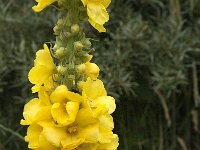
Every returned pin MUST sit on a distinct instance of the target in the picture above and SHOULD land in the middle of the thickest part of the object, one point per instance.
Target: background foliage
(149, 60)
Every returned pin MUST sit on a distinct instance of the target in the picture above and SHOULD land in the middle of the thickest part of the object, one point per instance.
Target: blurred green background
(149, 60)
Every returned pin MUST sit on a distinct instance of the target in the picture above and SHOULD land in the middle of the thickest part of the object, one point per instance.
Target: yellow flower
(42, 4)
(65, 105)
(85, 129)
(96, 99)
(37, 109)
(42, 70)
(63, 125)
(96, 10)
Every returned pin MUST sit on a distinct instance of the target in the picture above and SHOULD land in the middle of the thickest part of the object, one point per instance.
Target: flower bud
(78, 46)
(56, 30)
(87, 43)
(81, 68)
(92, 70)
(61, 69)
(60, 22)
(71, 77)
(67, 34)
(60, 52)
(62, 36)
(75, 29)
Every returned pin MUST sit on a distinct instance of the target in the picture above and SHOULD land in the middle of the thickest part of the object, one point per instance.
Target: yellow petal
(71, 142)
(45, 145)
(106, 121)
(39, 74)
(90, 133)
(84, 2)
(87, 105)
(112, 145)
(33, 134)
(95, 110)
(107, 101)
(25, 122)
(36, 88)
(65, 114)
(87, 146)
(53, 134)
(100, 110)
(31, 109)
(94, 89)
(71, 96)
(80, 85)
(97, 13)
(43, 114)
(86, 102)
(85, 117)
(97, 26)
(91, 70)
(43, 96)
(49, 84)
(105, 135)
(106, 3)
(59, 94)
(43, 58)
(42, 4)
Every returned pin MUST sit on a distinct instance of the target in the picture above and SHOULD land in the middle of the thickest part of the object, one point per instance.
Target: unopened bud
(78, 46)
(75, 29)
(92, 70)
(67, 34)
(60, 52)
(71, 77)
(61, 69)
(81, 68)
(87, 43)
(60, 22)
(56, 30)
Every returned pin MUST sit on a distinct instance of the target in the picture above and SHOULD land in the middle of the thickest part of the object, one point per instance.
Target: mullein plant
(73, 110)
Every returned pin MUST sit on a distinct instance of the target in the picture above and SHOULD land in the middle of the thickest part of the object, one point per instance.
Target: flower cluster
(73, 110)
(61, 119)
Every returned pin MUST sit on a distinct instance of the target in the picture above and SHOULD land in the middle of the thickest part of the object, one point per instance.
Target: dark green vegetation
(149, 60)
